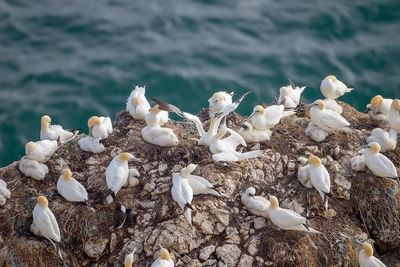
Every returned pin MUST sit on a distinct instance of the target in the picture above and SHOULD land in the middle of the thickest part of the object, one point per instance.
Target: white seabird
(320, 179)
(252, 135)
(44, 220)
(117, 174)
(91, 144)
(289, 96)
(137, 104)
(287, 219)
(128, 261)
(33, 169)
(394, 115)
(366, 258)
(332, 88)
(387, 140)
(326, 119)
(231, 107)
(265, 118)
(224, 149)
(164, 260)
(182, 192)
(53, 132)
(219, 101)
(70, 188)
(378, 111)
(379, 164)
(100, 127)
(256, 205)
(41, 151)
(4, 192)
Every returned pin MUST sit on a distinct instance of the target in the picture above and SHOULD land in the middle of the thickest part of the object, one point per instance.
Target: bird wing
(389, 166)
(288, 218)
(46, 223)
(231, 107)
(234, 139)
(108, 124)
(259, 203)
(168, 107)
(115, 179)
(321, 180)
(377, 262)
(196, 121)
(333, 120)
(187, 192)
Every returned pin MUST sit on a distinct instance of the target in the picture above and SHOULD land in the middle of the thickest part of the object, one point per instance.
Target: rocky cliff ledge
(223, 232)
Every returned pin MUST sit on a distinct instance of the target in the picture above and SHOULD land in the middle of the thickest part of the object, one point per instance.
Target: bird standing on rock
(256, 205)
(379, 164)
(70, 188)
(53, 132)
(182, 192)
(320, 179)
(45, 221)
(137, 104)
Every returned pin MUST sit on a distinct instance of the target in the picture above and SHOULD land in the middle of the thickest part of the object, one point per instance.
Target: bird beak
(309, 105)
(135, 159)
(252, 115)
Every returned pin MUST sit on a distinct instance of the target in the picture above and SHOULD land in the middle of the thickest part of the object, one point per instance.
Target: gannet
(326, 119)
(289, 96)
(378, 111)
(41, 151)
(91, 144)
(45, 221)
(256, 205)
(333, 105)
(164, 260)
(137, 104)
(379, 164)
(117, 174)
(287, 219)
(199, 184)
(70, 188)
(366, 258)
(100, 127)
(320, 179)
(394, 115)
(265, 118)
(315, 133)
(4, 192)
(387, 140)
(231, 107)
(303, 173)
(224, 149)
(332, 88)
(252, 135)
(182, 192)
(52, 132)
(119, 215)
(154, 134)
(33, 169)
(205, 137)
(129, 259)
(218, 101)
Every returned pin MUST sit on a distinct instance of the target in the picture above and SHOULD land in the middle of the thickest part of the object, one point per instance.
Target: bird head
(42, 201)
(314, 161)
(67, 174)
(274, 202)
(165, 254)
(218, 96)
(257, 110)
(284, 91)
(332, 78)
(93, 121)
(30, 147)
(376, 101)
(45, 121)
(136, 101)
(247, 127)
(188, 170)
(128, 260)
(396, 104)
(125, 156)
(319, 103)
(369, 251)
(251, 192)
(374, 147)
(155, 110)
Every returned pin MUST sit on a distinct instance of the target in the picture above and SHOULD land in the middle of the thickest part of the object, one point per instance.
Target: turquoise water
(74, 59)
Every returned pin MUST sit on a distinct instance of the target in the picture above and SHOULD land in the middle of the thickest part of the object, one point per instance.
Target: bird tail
(249, 155)
(305, 228)
(349, 88)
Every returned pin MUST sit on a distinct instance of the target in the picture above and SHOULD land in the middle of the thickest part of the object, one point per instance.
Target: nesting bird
(289, 96)
(287, 219)
(256, 205)
(252, 135)
(53, 132)
(164, 260)
(182, 192)
(33, 169)
(379, 164)
(378, 110)
(44, 220)
(332, 88)
(219, 101)
(394, 115)
(154, 134)
(117, 174)
(41, 151)
(366, 258)
(4, 192)
(387, 140)
(320, 179)
(265, 118)
(137, 104)
(100, 127)
(70, 188)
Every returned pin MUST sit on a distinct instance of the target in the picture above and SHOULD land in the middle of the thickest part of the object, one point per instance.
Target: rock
(162, 168)
(113, 242)
(253, 245)
(259, 223)
(246, 261)
(201, 220)
(194, 263)
(229, 254)
(94, 248)
(206, 252)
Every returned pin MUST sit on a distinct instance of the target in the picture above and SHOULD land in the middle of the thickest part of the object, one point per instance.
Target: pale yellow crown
(30, 147)
(188, 170)
(219, 96)
(369, 251)
(94, 120)
(396, 104)
(376, 101)
(259, 109)
(165, 254)
(44, 121)
(274, 202)
(375, 147)
(128, 260)
(136, 101)
(67, 174)
(315, 161)
(284, 90)
(42, 201)
(125, 156)
(321, 104)
(332, 78)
